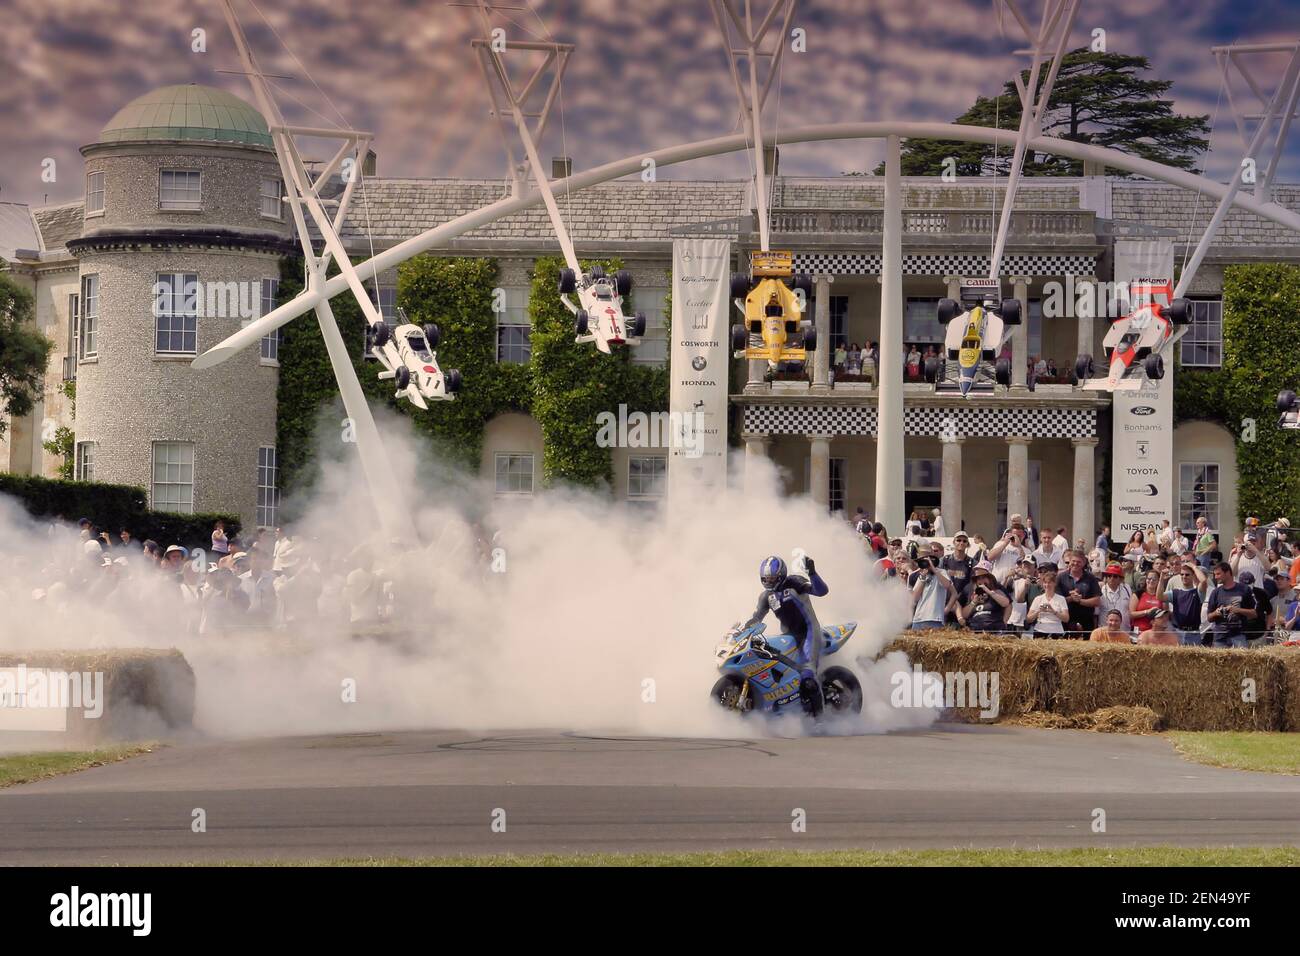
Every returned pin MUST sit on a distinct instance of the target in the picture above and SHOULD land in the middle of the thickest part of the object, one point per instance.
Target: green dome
(188, 114)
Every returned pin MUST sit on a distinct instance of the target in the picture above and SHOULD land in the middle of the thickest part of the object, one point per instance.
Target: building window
(89, 342)
(514, 327)
(921, 320)
(839, 483)
(1035, 487)
(1203, 344)
(268, 493)
(271, 341)
(839, 322)
(922, 474)
(176, 313)
(180, 189)
(653, 349)
(385, 300)
(1198, 494)
(94, 193)
(173, 476)
(514, 474)
(1034, 327)
(647, 476)
(84, 465)
(74, 335)
(272, 192)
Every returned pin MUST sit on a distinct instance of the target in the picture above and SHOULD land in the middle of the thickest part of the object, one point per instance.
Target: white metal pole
(889, 407)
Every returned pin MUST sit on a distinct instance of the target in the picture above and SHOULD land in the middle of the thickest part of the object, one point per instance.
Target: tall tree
(24, 352)
(1098, 98)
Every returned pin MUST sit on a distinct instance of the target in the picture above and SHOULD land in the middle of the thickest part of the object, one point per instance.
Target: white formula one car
(1288, 407)
(407, 355)
(1141, 334)
(973, 340)
(598, 313)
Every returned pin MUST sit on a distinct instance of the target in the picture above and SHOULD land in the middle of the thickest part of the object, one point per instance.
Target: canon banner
(1143, 483)
(697, 459)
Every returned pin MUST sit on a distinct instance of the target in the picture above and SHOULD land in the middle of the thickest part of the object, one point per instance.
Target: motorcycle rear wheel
(841, 691)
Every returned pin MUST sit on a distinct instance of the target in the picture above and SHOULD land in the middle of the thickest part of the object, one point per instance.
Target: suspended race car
(1136, 341)
(772, 299)
(407, 355)
(1288, 407)
(976, 329)
(598, 313)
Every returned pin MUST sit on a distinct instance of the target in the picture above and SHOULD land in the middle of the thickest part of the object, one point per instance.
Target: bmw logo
(699, 362)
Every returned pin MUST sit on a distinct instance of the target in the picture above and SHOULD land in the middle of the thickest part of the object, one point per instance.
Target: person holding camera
(1230, 606)
(1049, 611)
(983, 605)
(1006, 553)
(933, 595)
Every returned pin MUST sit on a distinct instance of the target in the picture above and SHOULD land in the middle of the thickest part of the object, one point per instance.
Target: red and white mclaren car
(1136, 341)
(407, 355)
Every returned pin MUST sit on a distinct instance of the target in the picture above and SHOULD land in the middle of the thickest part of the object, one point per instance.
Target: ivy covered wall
(564, 386)
(1261, 355)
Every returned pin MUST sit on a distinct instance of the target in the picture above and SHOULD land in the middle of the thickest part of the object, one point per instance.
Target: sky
(646, 74)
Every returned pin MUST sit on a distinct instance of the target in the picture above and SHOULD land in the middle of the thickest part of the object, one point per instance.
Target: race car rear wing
(980, 290)
(771, 264)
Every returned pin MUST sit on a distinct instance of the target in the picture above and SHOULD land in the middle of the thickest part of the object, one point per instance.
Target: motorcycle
(761, 673)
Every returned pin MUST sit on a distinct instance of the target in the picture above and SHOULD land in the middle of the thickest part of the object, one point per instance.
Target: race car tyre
(1084, 368)
(932, 369)
(1285, 400)
(1154, 366)
(568, 281)
(1002, 372)
(580, 322)
(810, 338)
(432, 334)
(1180, 312)
(949, 309)
(727, 693)
(379, 334)
(1010, 311)
(841, 691)
(739, 338)
(403, 378)
(804, 282)
(739, 285)
(596, 272)
(622, 282)
(453, 381)
(638, 325)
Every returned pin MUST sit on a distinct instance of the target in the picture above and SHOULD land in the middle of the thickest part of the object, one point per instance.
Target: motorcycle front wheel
(727, 694)
(841, 691)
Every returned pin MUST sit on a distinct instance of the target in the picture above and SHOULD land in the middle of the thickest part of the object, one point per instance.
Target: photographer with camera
(984, 605)
(1006, 553)
(933, 595)
(1230, 606)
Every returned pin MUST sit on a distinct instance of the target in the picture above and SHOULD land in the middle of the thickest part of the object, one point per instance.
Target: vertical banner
(697, 459)
(1143, 483)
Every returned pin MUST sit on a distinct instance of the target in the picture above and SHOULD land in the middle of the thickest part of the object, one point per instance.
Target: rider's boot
(810, 693)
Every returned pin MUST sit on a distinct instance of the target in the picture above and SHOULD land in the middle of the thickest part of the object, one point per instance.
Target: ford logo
(1143, 410)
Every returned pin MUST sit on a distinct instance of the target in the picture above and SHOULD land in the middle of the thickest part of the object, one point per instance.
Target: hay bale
(146, 693)
(1108, 720)
(1185, 688)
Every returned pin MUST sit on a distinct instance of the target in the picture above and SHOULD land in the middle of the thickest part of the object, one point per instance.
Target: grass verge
(25, 768)
(1240, 750)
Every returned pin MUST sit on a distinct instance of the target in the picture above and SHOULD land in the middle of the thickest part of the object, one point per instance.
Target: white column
(950, 487)
(889, 409)
(819, 468)
(954, 287)
(1018, 475)
(756, 451)
(1086, 316)
(1020, 336)
(1085, 489)
(822, 357)
(757, 369)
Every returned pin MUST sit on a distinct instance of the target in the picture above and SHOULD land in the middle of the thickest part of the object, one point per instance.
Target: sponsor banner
(1143, 481)
(698, 366)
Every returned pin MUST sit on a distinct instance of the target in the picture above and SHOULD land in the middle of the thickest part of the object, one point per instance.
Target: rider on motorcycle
(788, 597)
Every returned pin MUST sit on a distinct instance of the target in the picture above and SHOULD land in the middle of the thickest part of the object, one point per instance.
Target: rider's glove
(808, 565)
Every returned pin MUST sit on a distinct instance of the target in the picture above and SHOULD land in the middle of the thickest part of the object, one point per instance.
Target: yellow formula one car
(772, 300)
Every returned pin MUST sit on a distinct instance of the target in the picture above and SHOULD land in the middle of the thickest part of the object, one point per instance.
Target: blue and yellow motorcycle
(762, 673)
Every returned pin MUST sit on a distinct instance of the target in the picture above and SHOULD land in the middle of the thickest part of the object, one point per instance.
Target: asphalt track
(434, 793)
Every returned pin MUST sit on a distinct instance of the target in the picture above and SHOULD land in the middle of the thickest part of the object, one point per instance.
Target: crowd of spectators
(1163, 586)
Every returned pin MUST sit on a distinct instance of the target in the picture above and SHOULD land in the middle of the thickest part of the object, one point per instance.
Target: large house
(182, 186)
